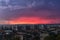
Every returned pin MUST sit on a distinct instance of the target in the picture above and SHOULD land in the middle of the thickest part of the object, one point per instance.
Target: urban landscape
(29, 19)
(30, 32)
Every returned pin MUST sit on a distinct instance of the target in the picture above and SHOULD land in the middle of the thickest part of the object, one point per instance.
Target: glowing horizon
(31, 20)
(29, 11)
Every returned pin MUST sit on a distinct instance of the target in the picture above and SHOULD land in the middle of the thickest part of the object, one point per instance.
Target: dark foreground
(30, 32)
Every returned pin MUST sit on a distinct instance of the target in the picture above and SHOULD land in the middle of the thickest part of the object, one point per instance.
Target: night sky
(29, 11)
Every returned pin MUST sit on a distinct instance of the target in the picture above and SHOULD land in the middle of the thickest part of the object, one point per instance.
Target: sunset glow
(31, 20)
(29, 11)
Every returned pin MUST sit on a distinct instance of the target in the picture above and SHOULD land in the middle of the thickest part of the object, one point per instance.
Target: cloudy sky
(29, 11)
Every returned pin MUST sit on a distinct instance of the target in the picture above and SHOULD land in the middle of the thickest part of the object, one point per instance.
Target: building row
(30, 31)
(30, 26)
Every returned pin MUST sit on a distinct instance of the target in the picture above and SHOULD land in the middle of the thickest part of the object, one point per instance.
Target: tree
(16, 38)
(50, 38)
(58, 37)
(36, 38)
(47, 38)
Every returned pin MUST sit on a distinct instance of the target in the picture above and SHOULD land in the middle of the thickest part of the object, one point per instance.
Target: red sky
(30, 12)
(32, 20)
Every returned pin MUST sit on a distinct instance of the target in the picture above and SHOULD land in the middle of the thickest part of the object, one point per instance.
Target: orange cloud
(31, 20)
